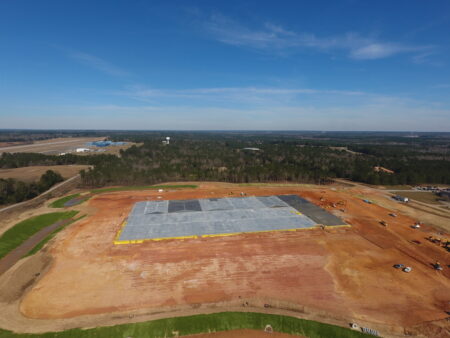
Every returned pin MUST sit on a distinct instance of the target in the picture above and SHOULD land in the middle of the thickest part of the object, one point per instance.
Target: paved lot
(317, 214)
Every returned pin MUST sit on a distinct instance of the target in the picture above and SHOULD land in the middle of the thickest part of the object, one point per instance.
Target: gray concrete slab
(184, 206)
(156, 207)
(214, 216)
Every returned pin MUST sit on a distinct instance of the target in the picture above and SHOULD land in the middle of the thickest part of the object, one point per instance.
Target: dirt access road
(18, 206)
(15, 255)
(342, 274)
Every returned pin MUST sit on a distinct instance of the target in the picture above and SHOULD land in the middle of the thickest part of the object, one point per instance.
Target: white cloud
(379, 50)
(97, 63)
(275, 38)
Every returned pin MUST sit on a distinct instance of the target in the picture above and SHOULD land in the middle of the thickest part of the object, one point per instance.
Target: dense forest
(310, 157)
(13, 191)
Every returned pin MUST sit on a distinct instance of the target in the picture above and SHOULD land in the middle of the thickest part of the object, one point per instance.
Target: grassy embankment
(224, 321)
(20, 232)
(41, 244)
(62, 201)
(149, 187)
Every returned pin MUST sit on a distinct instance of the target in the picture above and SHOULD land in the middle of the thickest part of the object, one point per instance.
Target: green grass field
(20, 232)
(41, 244)
(60, 202)
(223, 321)
(149, 187)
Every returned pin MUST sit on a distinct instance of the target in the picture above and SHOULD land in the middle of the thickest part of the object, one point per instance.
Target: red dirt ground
(346, 272)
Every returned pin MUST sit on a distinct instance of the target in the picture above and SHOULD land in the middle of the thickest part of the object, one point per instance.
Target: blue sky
(280, 65)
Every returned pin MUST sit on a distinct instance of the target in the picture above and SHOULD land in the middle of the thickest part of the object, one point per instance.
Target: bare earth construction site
(142, 255)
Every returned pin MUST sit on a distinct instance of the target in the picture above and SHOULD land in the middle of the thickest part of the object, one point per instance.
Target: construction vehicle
(437, 266)
(438, 241)
(342, 203)
(432, 239)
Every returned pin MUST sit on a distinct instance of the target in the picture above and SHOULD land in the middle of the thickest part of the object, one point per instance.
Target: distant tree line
(225, 160)
(19, 160)
(14, 191)
(207, 156)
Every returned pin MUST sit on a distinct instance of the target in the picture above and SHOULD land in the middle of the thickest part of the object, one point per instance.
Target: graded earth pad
(336, 272)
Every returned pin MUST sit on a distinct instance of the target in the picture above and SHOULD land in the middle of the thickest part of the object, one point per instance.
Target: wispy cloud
(385, 115)
(97, 63)
(441, 85)
(380, 50)
(277, 99)
(255, 96)
(425, 57)
(275, 38)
